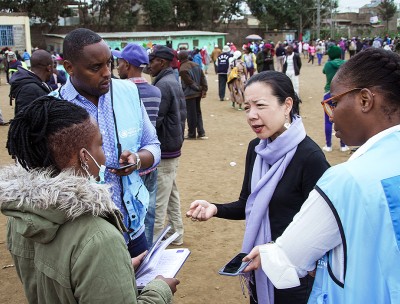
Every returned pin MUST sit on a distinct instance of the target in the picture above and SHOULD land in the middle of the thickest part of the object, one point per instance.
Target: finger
(124, 156)
(203, 216)
(194, 204)
(196, 212)
(250, 267)
(141, 256)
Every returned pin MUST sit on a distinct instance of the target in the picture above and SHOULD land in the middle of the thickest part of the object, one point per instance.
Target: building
(15, 32)
(188, 39)
(367, 22)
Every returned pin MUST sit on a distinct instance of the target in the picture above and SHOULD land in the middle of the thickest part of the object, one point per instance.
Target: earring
(287, 124)
(85, 167)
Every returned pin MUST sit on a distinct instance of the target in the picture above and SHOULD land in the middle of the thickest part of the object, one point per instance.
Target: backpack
(234, 74)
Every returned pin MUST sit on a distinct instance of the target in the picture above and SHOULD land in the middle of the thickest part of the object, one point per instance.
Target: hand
(203, 94)
(201, 210)
(254, 255)
(126, 157)
(136, 261)
(172, 282)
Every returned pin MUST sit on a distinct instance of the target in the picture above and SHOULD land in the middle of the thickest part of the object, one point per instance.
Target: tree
(159, 13)
(45, 10)
(387, 9)
(288, 14)
(190, 14)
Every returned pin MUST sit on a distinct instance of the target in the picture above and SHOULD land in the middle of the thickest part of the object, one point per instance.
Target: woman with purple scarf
(282, 166)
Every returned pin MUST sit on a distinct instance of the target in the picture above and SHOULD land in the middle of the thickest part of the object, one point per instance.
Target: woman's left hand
(254, 256)
(136, 261)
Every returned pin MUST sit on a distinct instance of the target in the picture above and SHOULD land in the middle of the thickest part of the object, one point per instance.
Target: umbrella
(253, 37)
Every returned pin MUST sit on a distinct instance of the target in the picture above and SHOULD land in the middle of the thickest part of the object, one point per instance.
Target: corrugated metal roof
(149, 34)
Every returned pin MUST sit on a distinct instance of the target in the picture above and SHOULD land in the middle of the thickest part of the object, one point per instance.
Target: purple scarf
(272, 159)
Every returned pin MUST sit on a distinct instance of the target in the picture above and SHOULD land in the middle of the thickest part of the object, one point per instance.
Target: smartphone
(235, 266)
(124, 166)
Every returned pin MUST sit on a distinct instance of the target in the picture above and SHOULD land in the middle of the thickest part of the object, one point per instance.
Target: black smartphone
(123, 167)
(235, 266)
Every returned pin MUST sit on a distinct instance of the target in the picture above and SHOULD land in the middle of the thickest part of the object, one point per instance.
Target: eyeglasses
(329, 104)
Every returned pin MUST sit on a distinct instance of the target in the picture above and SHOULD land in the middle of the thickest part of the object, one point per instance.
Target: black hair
(76, 40)
(374, 68)
(36, 137)
(281, 86)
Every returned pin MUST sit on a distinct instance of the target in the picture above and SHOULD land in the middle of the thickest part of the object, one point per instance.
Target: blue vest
(129, 124)
(364, 195)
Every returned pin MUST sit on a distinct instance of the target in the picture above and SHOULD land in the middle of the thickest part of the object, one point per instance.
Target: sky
(354, 5)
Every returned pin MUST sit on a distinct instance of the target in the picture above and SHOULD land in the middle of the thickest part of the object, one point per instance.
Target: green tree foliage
(190, 14)
(116, 14)
(45, 10)
(387, 9)
(289, 14)
(159, 13)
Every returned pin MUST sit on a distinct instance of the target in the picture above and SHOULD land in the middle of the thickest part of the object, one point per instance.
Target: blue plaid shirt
(103, 114)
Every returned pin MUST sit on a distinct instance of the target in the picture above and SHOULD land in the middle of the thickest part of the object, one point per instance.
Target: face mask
(102, 170)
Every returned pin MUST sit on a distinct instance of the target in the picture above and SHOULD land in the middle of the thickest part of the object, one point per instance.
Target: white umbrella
(253, 37)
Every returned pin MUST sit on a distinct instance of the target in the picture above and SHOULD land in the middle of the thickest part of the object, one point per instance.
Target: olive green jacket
(64, 234)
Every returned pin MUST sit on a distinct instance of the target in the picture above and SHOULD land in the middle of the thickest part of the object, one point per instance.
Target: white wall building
(15, 32)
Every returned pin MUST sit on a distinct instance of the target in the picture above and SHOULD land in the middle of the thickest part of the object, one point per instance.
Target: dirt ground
(205, 173)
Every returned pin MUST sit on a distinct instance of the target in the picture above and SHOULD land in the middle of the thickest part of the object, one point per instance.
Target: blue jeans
(319, 58)
(150, 181)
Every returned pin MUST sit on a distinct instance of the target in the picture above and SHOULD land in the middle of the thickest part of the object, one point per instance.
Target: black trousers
(295, 295)
(222, 79)
(194, 117)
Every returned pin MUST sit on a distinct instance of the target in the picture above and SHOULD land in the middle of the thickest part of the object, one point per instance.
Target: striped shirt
(150, 96)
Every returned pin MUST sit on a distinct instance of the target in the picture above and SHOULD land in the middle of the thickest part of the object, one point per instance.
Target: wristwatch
(138, 162)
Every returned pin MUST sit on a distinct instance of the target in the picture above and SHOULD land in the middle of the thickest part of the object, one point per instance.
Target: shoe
(190, 137)
(177, 243)
(344, 148)
(327, 149)
(221, 99)
(4, 123)
(202, 137)
(240, 109)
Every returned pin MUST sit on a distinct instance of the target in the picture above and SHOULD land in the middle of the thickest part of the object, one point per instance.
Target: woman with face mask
(282, 166)
(64, 232)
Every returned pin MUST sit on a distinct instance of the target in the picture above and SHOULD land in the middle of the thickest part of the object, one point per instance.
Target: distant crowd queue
(97, 158)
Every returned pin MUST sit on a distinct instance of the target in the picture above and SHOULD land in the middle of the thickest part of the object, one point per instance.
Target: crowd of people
(79, 224)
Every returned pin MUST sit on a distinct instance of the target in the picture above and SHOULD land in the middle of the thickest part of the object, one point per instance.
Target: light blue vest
(129, 124)
(365, 196)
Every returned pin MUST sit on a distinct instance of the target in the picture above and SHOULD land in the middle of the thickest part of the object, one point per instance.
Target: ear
(82, 155)
(289, 105)
(366, 100)
(68, 66)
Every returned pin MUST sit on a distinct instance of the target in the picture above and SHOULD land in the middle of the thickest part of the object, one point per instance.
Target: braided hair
(76, 40)
(281, 86)
(374, 68)
(46, 133)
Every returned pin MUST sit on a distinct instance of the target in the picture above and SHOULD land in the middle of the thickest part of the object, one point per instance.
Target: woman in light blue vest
(350, 223)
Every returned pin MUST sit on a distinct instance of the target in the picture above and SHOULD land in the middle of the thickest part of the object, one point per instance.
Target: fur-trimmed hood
(42, 203)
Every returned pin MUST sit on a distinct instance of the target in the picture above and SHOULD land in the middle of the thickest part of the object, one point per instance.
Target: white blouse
(312, 233)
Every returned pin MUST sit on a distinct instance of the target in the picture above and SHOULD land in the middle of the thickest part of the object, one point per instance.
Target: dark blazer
(296, 64)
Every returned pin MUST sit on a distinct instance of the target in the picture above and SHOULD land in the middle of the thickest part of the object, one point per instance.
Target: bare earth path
(205, 173)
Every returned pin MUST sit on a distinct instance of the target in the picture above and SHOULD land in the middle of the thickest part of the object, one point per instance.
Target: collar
(373, 140)
(138, 80)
